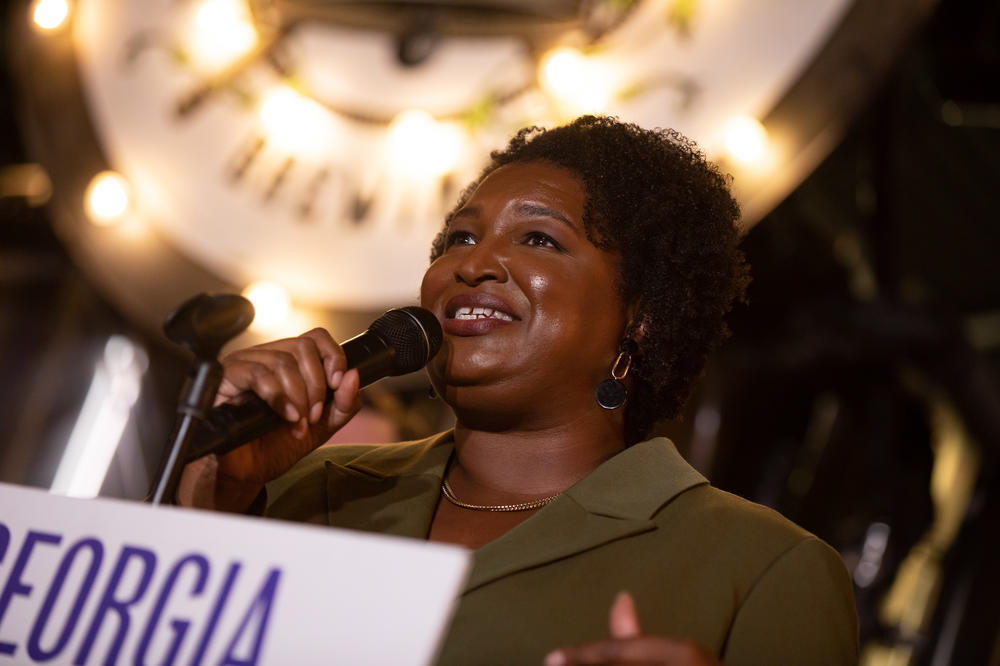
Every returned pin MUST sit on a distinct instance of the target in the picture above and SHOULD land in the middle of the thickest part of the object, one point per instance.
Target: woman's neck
(496, 466)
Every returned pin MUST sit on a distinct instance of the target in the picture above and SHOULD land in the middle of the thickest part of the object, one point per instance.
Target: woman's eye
(459, 238)
(539, 239)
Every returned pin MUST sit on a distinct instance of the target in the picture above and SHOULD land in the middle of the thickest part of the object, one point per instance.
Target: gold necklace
(523, 506)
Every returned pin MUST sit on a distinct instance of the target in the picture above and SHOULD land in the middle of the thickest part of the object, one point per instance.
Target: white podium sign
(110, 582)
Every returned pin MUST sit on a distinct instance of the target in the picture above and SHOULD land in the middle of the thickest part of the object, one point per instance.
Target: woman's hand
(627, 645)
(292, 375)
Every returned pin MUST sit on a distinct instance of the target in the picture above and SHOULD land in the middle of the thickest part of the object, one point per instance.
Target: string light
(107, 198)
(580, 84)
(295, 123)
(420, 145)
(50, 14)
(746, 140)
(271, 304)
(223, 31)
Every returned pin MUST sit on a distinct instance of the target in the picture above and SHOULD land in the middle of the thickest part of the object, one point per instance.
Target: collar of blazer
(394, 489)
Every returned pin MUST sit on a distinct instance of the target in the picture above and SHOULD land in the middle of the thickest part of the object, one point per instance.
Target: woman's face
(530, 307)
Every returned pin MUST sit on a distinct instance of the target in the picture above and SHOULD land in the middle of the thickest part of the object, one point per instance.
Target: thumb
(623, 620)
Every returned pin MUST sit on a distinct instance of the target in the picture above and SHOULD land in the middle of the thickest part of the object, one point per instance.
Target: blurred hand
(627, 645)
(292, 375)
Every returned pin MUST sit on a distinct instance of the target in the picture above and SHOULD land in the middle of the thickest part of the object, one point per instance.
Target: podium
(96, 581)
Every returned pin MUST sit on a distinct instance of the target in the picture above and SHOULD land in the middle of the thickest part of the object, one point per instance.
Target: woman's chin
(461, 368)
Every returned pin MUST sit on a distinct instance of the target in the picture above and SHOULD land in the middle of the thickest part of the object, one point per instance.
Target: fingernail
(556, 658)
(301, 429)
(316, 412)
(335, 378)
(291, 413)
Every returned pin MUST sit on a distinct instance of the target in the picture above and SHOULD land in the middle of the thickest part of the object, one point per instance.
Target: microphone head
(413, 332)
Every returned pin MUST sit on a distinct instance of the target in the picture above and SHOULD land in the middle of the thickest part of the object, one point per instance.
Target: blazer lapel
(615, 501)
(394, 489)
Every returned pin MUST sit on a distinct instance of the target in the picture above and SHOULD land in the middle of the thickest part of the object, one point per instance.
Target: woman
(580, 281)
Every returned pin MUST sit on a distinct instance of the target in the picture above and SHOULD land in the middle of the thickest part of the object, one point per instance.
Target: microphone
(401, 341)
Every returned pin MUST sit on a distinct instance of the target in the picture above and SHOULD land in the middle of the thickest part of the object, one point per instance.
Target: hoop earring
(611, 393)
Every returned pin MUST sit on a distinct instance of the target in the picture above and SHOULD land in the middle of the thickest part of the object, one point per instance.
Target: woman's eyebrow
(525, 208)
(534, 209)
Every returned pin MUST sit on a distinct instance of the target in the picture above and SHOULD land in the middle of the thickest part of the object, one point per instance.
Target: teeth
(481, 313)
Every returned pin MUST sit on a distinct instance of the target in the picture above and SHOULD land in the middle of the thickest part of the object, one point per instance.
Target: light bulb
(420, 145)
(50, 14)
(746, 140)
(108, 198)
(296, 124)
(579, 83)
(271, 304)
(222, 32)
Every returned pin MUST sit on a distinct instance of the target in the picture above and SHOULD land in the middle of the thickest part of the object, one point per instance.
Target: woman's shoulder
(795, 593)
(736, 517)
(778, 574)
(751, 540)
(682, 500)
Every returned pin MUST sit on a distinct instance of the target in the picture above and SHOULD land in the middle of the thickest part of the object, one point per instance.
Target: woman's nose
(481, 263)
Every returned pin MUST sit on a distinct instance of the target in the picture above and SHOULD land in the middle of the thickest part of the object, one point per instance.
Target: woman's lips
(465, 327)
(476, 315)
(470, 313)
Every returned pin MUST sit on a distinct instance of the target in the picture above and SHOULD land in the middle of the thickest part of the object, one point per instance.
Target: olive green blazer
(702, 564)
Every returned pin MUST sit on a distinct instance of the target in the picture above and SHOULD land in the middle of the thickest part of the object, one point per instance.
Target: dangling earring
(611, 393)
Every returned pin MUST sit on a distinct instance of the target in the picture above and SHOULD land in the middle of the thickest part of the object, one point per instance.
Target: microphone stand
(202, 325)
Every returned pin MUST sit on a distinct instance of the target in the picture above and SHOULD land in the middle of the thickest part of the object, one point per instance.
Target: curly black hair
(653, 198)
